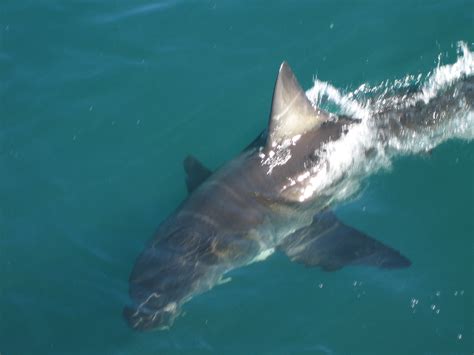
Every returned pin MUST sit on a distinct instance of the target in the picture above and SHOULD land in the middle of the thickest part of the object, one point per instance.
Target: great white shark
(258, 203)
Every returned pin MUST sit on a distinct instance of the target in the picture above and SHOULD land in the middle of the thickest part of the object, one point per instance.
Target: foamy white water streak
(363, 150)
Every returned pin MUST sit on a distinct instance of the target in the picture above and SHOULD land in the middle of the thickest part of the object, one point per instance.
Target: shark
(259, 203)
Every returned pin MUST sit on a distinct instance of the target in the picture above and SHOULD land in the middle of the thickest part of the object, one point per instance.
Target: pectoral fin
(196, 173)
(331, 244)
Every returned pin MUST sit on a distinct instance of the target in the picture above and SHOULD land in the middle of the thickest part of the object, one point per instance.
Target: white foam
(447, 74)
(344, 162)
(263, 255)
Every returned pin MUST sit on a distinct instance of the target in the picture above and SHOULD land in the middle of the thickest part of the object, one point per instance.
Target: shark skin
(248, 209)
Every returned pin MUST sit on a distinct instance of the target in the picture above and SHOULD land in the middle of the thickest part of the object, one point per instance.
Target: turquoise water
(101, 101)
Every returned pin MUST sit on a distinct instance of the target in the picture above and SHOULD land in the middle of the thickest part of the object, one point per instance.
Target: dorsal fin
(196, 173)
(292, 113)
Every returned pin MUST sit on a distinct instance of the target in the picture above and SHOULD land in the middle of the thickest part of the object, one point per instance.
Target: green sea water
(100, 101)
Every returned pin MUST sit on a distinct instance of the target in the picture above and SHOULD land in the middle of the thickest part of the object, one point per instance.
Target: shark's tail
(413, 122)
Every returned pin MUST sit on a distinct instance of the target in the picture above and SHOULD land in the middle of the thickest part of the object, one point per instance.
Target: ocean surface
(100, 101)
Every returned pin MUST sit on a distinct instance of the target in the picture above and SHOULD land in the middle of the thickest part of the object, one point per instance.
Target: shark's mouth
(146, 317)
(397, 117)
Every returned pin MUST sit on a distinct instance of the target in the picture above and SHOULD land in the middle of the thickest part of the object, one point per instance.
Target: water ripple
(135, 11)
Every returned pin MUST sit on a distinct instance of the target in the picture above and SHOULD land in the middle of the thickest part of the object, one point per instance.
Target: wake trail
(404, 116)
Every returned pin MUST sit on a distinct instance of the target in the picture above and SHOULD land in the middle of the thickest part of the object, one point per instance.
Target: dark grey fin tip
(284, 66)
(196, 172)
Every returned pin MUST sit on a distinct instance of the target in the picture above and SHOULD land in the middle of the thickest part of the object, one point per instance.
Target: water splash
(446, 75)
(398, 117)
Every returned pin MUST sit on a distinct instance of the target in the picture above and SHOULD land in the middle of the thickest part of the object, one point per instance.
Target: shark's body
(249, 208)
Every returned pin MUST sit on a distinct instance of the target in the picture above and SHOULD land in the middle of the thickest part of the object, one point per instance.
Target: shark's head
(167, 273)
(152, 306)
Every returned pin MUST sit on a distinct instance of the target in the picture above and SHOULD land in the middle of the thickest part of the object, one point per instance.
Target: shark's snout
(144, 318)
(160, 280)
